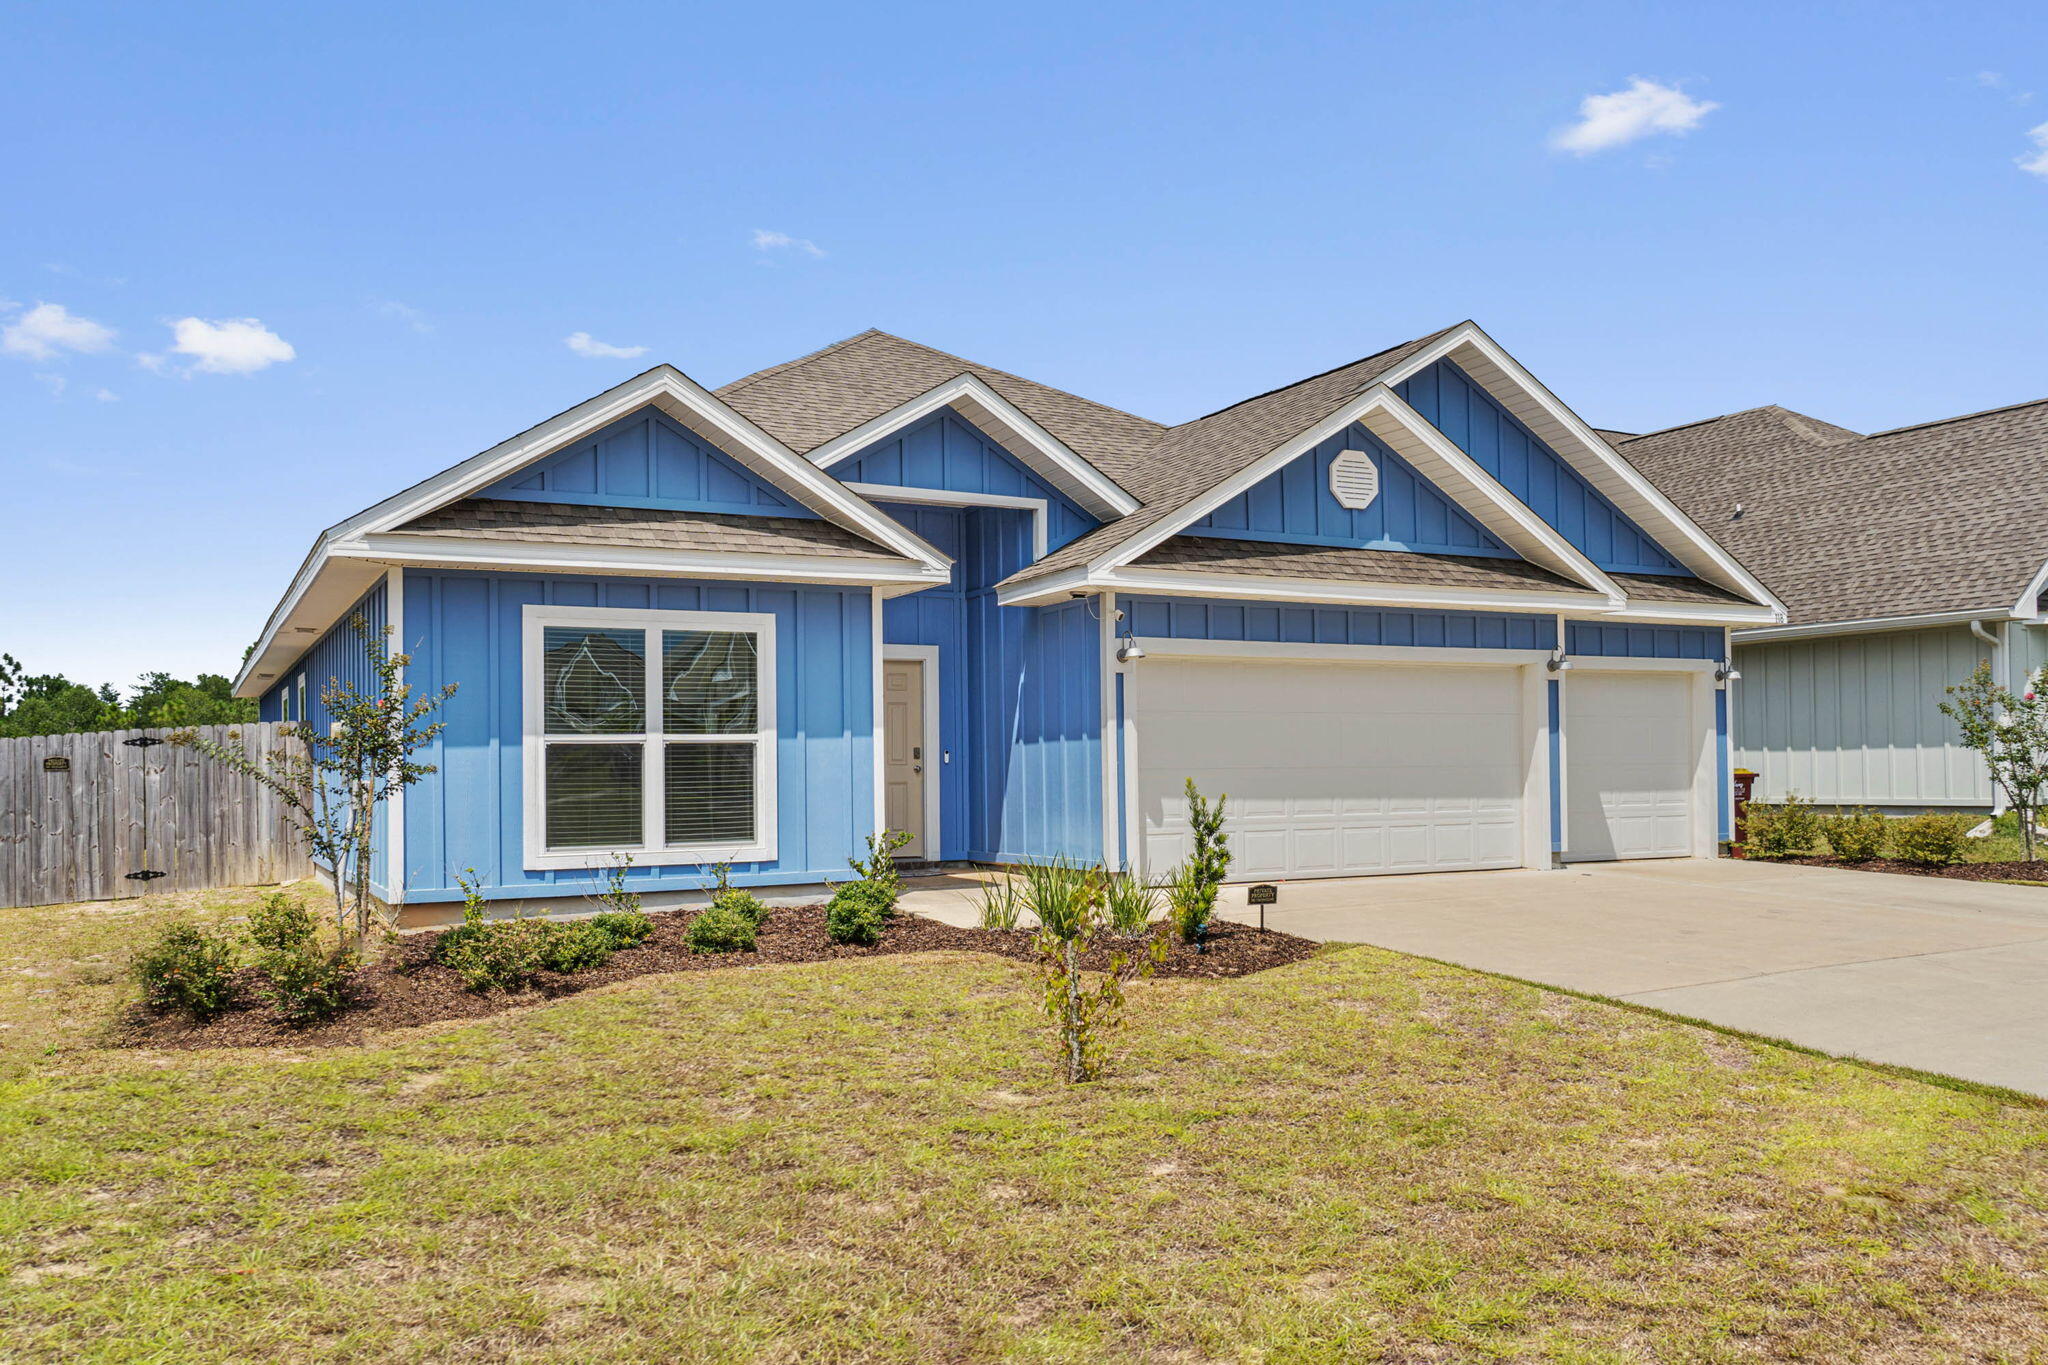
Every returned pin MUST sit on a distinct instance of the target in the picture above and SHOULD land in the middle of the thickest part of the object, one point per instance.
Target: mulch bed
(407, 987)
(2036, 871)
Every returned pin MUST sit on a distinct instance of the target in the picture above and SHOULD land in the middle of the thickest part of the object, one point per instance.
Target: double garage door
(1342, 769)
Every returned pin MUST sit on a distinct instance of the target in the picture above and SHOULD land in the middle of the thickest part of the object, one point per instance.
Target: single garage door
(1630, 751)
(1332, 769)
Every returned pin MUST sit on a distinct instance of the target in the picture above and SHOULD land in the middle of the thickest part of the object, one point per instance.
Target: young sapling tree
(2010, 732)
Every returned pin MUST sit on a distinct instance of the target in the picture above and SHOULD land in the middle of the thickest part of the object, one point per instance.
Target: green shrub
(1931, 840)
(857, 913)
(743, 903)
(1789, 829)
(502, 954)
(1130, 902)
(878, 869)
(1855, 836)
(281, 924)
(720, 929)
(305, 985)
(188, 968)
(1190, 902)
(625, 928)
(577, 946)
(1002, 903)
(1062, 895)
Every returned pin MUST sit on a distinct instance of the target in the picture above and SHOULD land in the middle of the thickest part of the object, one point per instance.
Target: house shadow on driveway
(1943, 976)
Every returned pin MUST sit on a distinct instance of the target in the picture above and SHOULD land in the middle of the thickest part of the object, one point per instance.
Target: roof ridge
(744, 380)
(978, 369)
(1323, 374)
(1966, 417)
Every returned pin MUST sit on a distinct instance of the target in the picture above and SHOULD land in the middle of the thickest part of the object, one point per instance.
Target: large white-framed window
(648, 733)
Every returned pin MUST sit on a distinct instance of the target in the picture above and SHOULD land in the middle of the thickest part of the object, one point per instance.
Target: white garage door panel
(1630, 750)
(1333, 769)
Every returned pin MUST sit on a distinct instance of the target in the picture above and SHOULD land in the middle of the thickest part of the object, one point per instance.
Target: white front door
(1631, 757)
(903, 751)
(1333, 769)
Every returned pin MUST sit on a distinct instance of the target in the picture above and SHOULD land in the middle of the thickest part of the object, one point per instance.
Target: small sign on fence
(56, 763)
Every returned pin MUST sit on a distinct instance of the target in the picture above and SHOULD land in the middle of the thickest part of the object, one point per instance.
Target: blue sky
(299, 257)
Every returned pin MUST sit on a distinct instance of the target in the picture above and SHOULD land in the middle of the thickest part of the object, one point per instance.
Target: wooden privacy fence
(80, 813)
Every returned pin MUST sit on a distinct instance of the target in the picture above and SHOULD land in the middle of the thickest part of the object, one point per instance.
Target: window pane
(710, 793)
(708, 682)
(593, 795)
(593, 680)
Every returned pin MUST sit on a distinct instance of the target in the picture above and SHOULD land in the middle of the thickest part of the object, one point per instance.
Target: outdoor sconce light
(1557, 663)
(1727, 672)
(1128, 651)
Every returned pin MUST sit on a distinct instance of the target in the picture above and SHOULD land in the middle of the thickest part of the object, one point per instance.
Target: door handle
(917, 767)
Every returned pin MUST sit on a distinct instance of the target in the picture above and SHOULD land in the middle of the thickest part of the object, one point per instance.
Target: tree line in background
(52, 704)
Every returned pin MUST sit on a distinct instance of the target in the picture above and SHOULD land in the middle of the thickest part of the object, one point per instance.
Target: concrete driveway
(1941, 975)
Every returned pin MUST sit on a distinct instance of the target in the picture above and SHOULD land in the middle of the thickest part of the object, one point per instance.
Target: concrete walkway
(1941, 975)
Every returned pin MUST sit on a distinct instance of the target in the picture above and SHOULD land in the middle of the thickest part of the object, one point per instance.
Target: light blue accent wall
(938, 617)
(947, 451)
(341, 655)
(648, 460)
(1196, 618)
(466, 629)
(1294, 504)
(1532, 471)
(1614, 641)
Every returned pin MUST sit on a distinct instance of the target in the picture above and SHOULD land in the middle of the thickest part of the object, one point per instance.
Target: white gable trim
(2024, 607)
(567, 557)
(1308, 591)
(1014, 429)
(1454, 473)
(1501, 375)
(1039, 509)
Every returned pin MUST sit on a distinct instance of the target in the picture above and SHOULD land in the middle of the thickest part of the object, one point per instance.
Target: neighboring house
(1905, 559)
(882, 585)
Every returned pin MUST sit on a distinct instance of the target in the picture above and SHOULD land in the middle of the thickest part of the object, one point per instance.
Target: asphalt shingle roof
(644, 527)
(1944, 516)
(1271, 559)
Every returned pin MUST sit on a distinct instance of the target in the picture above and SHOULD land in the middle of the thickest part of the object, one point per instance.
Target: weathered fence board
(73, 831)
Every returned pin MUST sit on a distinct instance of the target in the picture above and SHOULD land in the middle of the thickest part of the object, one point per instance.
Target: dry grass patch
(1359, 1157)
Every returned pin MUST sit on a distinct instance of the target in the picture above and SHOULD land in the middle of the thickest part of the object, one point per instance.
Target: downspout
(1997, 643)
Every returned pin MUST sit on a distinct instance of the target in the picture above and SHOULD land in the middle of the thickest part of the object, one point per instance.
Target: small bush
(1855, 836)
(857, 913)
(1062, 895)
(1931, 840)
(1002, 904)
(743, 903)
(578, 946)
(720, 929)
(306, 985)
(1130, 902)
(625, 928)
(281, 924)
(878, 869)
(188, 968)
(1789, 829)
(1190, 902)
(502, 955)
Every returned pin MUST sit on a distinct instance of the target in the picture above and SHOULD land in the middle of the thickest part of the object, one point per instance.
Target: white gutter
(1864, 625)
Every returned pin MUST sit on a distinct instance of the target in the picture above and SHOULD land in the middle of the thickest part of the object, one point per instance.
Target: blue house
(1412, 614)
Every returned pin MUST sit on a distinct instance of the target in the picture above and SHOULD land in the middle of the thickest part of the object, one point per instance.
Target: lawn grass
(1363, 1156)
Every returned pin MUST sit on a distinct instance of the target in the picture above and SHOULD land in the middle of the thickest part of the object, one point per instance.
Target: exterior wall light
(1727, 672)
(1557, 663)
(1128, 651)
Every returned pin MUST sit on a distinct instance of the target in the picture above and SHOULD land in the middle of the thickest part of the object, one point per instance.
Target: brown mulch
(407, 987)
(2036, 871)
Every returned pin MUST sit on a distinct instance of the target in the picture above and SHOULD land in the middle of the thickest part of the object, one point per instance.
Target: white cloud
(768, 240)
(107, 396)
(407, 314)
(227, 346)
(2036, 161)
(1992, 79)
(54, 382)
(1643, 110)
(48, 328)
(583, 343)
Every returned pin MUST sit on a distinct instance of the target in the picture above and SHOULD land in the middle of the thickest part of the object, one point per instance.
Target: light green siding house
(1905, 558)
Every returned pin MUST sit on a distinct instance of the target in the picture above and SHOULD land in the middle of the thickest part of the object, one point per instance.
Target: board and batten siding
(1856, 719)
(465, 628)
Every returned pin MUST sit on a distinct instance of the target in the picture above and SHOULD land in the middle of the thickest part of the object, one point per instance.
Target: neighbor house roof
(1943, 517)
(649, 527)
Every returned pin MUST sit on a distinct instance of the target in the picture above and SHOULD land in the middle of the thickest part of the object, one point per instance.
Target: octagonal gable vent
(1354, 479)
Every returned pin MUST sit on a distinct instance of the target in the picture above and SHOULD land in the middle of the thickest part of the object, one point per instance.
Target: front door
(903, 749)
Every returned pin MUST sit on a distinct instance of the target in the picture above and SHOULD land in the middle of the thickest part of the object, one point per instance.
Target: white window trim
(651, 850)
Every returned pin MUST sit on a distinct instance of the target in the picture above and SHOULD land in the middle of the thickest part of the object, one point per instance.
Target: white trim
(1536, 763)
(1039, 508)
(877, 761)
(1166, 647)
(1410, 436)
(1105, 684)
(1705, 776)
(1601, 663)
(1689, 613)
(529, 556)
(1866, 625)
(1473, 351)
(1175, 582)
(394, 806)
(1059, 463)
(927, 656)
(652, 849)
(2036, 585)
(1134, 845)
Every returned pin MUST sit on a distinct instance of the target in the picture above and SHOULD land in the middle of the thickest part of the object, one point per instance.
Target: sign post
(1262, 895)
